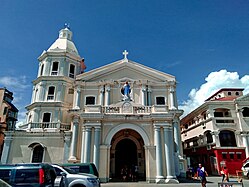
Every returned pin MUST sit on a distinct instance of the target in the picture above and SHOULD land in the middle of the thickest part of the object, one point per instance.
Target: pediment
(125, 70)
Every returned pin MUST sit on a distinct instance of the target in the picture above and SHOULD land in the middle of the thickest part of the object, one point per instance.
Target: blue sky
(204, 44)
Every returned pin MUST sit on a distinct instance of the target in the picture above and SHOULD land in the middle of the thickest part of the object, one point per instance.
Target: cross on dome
(67, 26)
(125, 53)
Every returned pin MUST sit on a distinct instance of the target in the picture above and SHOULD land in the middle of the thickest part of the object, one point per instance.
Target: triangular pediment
(125, 70)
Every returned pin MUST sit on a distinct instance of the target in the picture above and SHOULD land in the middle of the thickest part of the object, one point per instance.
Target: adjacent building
(122, 114)
(217, 132)
(8, 114)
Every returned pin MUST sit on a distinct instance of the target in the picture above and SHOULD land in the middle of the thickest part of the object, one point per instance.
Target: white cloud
(14, 83)
(214, 82)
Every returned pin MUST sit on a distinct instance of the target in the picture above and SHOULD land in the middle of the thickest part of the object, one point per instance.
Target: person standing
(226, 174)
(202, 174)
(222, 174)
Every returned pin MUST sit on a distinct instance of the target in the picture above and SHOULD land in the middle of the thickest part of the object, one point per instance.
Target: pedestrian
(226, 174)
(202, 174)
(222, 174)
(124, 173)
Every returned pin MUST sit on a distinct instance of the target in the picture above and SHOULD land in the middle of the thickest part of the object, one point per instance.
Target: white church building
(79, 116)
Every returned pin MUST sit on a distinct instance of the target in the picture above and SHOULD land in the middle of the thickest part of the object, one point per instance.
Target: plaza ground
(212, 182)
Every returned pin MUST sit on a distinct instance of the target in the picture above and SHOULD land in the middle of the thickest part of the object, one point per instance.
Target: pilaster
(6, 148)
(74, 142)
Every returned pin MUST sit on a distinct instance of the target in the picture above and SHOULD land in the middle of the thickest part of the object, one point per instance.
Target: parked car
(69, 178)
(4, 184)
(28, 174)
(245, 168)
(83, 168)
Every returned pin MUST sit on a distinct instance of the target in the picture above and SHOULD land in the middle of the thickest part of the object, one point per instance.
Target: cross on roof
(125, 53)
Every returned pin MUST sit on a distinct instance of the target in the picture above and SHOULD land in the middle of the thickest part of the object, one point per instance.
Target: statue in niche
(126, 90)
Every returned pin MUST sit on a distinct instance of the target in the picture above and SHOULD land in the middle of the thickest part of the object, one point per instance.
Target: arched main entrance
(127, 152)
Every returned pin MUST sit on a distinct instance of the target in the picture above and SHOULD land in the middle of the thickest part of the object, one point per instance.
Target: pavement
(212, 182)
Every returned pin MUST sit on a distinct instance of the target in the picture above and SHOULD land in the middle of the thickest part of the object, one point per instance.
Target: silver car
(68, 178)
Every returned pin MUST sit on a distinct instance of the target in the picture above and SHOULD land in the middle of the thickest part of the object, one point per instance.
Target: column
(107, 95)
(214, 135)
(67, 139)
(33, 98)
(104, 172)
(58, 94)
(179, 153)
(101, 96)
(169, 155)
(150, 162)
(172, 99)
(47, 67)
(159, 164)
(143, 95)
(6, 148)
(82, 145)
(42, 91)
(87, 147)
(149, 96)
(77, 99)
(74, 142)
(177, 137)
(245, 143)
(96, 146)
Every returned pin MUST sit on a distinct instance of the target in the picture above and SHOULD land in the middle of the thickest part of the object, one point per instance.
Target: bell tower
(53, 89)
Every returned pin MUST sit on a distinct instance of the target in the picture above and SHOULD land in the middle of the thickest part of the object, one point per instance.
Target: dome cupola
(64, 42)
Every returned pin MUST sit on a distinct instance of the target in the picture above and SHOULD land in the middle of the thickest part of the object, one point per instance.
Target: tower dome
(64, 42)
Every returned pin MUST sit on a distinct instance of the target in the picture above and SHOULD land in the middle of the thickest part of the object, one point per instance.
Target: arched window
(42, 67)
(72, 71)
(209, 137)
(46, 117)
(245, 112)
(55, 68)
(37, 154)
(227, 139)
(51, 90)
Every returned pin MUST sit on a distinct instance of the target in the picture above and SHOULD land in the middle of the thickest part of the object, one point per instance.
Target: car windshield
(69, 170)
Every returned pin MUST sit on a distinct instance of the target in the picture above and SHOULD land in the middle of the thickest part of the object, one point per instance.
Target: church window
(245, 112)
(36, 95)
(90, 100)
(237, 93)
(37, 154)
(55, 68)
(46, 117)
(51, 90)
(160, 100)
(42, 67)
(72, 71)
(229, 93)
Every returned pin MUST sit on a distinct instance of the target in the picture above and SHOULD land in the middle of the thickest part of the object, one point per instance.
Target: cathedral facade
(122, 114)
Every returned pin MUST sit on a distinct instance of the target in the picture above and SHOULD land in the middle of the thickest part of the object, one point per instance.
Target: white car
(245, 169)
(68, 178)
